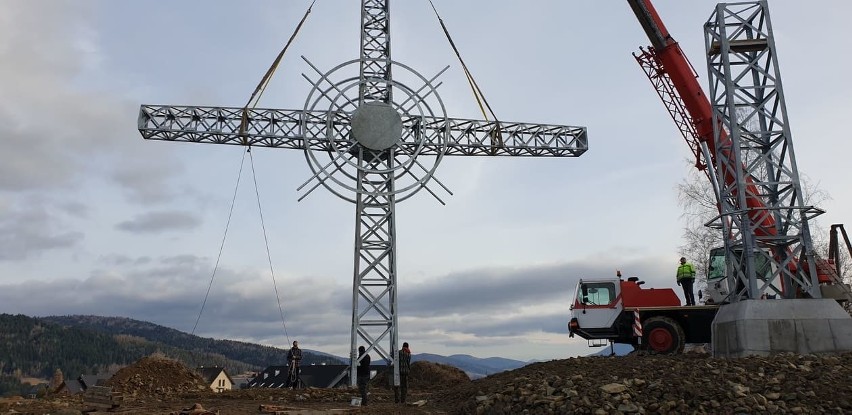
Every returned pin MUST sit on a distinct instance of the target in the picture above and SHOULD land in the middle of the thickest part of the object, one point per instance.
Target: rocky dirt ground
(690, 383)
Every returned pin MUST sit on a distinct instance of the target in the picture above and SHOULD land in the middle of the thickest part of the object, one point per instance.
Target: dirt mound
(426, 376)
(685, 384)
(157, 376)
(691, 383)
(431, 376)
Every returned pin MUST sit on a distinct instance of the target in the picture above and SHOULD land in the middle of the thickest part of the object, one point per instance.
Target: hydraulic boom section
(665, 59)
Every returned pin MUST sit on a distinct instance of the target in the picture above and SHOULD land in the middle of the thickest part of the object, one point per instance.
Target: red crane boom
(676, 81)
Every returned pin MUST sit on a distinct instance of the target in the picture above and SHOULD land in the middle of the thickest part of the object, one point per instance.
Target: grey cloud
(52, 130)
(170, 291)
(183, 260)
(145, 179)
(486, 305)
(27, 230)
(243, 305)
(55, 133)
(74, 208)
(153, 222)
(115, 259)
(487, 289)
(18, 243)
(45, 163)
(499, 290)
(121, 260)
(487, 325)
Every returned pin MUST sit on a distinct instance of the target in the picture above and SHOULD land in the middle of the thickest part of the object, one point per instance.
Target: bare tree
(695, 196)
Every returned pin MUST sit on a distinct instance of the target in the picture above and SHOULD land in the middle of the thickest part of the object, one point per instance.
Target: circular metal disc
(376, 125)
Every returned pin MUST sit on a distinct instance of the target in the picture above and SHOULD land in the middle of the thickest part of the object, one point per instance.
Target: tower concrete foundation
(765, 327)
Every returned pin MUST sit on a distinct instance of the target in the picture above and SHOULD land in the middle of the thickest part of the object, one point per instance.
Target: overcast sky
(96, 220)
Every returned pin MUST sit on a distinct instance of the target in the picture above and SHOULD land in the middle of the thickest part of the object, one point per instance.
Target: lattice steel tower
(383, 139)
(764, 218)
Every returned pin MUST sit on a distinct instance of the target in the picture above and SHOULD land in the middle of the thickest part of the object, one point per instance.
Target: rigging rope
(266, 240)
(252, 101)
(496, 135)
(222, 245)
(261, 87)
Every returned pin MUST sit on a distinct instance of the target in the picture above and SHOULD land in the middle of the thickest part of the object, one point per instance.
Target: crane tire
(663, 335)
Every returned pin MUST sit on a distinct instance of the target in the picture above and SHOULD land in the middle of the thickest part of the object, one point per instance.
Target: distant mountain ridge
(85, 344)
(262, 356)
(475, 367)
(620, 349)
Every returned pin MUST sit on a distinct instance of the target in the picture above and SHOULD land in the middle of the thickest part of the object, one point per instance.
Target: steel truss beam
(748, 104)
(299, 129)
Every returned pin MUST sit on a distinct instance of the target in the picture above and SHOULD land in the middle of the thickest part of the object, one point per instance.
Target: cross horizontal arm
(221, 125)
(320, 129)
(478, 138)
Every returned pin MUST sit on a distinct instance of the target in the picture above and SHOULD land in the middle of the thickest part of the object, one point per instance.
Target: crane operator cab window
(717, 269)
(597, 293)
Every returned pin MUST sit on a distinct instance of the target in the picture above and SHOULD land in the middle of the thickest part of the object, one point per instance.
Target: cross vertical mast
(374, 300)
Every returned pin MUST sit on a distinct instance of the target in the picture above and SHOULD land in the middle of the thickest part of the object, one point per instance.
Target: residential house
(69, 387)
(217, 378)
(241, 381)
(79, 385)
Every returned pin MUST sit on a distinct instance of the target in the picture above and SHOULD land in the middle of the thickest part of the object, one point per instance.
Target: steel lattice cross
(383, 139)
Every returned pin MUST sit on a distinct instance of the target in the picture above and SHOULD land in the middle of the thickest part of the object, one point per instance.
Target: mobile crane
(622, 311)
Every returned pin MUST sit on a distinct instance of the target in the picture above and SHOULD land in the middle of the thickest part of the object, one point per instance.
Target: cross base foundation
(765, 327)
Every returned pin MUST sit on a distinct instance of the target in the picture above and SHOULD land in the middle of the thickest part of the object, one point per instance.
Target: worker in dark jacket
(685, 278)
(404, 359)
(294, 359)
(363, 373)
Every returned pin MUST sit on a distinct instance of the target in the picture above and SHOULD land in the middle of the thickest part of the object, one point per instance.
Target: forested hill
(253, 354)
(76, 345)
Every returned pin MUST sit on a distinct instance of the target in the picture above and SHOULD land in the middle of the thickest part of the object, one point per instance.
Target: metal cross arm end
(478, 138)
(221, 125)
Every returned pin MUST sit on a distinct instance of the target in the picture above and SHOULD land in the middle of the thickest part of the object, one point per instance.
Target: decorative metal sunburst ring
(396, 142)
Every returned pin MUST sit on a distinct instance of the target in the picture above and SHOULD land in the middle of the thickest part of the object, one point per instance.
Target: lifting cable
(222, 245)
(265, 240)
(252, 102)
(264, 82)
(496, 135)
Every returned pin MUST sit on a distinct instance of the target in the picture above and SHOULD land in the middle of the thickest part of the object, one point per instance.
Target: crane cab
(719, 289)
(596, 306)
(603, 309)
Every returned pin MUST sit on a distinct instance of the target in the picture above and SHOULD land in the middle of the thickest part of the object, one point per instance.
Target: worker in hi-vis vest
(685, 278)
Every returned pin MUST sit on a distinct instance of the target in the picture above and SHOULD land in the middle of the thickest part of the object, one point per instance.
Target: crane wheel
(663, 335)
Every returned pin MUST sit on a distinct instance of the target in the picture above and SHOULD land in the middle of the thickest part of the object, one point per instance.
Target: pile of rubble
(662, 384)
(156, 376)
(690, 383)
(426, 376)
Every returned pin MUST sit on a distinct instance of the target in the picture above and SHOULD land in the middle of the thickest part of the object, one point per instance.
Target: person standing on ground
(294, 358)
(685, 278)
(363, 373)
(404, 359)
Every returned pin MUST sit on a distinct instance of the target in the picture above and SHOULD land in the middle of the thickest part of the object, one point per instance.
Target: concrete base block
(765, 327)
